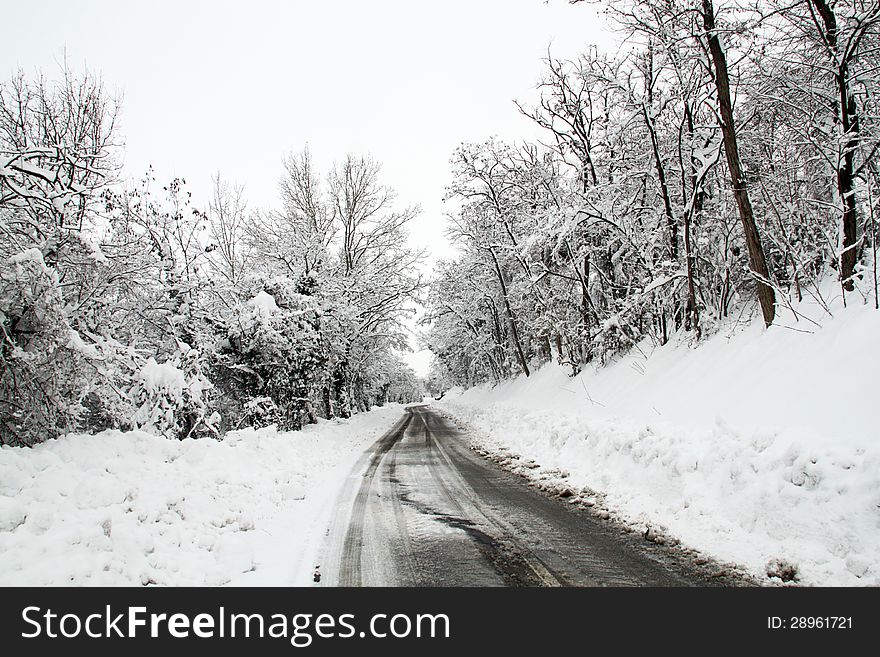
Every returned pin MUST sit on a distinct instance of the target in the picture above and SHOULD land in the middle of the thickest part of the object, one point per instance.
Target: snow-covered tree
(57, 155)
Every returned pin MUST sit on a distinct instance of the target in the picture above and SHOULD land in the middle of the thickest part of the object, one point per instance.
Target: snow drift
(756, 446)
(131, 508)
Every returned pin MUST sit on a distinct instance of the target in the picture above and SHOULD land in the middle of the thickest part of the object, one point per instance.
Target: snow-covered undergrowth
(130, 508)
(755, 446)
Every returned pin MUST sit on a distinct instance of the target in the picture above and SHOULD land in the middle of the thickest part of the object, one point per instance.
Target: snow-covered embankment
(755, 447)
(130, 508)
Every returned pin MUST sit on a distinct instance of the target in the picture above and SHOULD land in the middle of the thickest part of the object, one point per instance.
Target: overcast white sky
(232, 86)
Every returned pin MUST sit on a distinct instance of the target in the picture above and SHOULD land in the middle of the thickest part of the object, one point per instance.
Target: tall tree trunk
(846, 107)
(647, 107)
(695, 208)
(846, 187)
(585, 310)
(757, 262)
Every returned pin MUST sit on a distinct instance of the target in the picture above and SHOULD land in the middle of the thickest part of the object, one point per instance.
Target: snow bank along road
(421, 509)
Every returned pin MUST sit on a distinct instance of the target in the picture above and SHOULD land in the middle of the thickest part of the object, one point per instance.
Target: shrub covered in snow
(167, 400)
(274, 343)
(50, 381)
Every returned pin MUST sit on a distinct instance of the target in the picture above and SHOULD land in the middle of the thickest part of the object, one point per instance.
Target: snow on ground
(130, 508)
(755, 446)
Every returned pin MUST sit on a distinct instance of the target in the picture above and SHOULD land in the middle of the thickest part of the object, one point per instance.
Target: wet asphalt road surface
(421, 509)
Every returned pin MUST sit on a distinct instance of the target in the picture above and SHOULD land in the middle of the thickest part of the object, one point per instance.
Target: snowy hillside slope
(756, 446)
(130, 508)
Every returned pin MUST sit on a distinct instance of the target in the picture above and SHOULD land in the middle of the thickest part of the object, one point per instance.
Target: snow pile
(163, 395)
(162, 378)
(264, 304)
(130, 508)
(757, 447)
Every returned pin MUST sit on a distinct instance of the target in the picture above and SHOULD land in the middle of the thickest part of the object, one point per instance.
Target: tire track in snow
(350, 564)
(516, 563)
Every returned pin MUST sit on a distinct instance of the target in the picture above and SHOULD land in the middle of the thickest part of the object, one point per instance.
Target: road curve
(421, 509)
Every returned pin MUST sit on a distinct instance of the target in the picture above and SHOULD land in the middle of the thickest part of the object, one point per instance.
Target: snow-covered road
(421, 509)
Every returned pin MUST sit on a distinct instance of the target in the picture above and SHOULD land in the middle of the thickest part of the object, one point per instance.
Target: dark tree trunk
(548, 349)
(585, 306)
(647, 106)
(692, 313)
(846, 107)
(671, 224)
(498, 362)
(328, 405)
(341, 389)
(520, 356)
(757, 262)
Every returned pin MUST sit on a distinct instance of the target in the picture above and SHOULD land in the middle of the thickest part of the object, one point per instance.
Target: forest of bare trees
(124, 306)
(721, 164)
(723, 161)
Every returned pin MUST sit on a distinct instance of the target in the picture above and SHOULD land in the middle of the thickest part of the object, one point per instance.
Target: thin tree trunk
(328, 406)
(692, 313)
(499, 336)
(671, 225)
(520, 356)
(658, 160)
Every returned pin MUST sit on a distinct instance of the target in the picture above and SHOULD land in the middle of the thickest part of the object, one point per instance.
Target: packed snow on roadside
(758, 447)
(131, 508)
